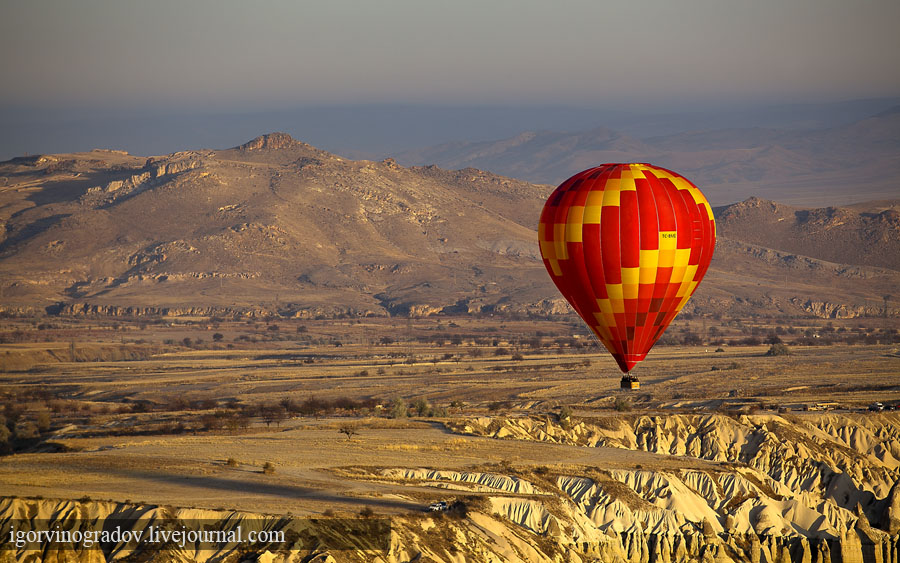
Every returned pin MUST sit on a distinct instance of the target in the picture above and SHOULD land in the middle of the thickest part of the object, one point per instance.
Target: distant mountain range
(841, 164)
(276, 226)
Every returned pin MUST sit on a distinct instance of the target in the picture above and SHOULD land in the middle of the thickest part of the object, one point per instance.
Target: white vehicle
(438, 506)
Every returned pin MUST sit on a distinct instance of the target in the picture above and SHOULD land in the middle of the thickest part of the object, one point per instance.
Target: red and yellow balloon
(627, 245)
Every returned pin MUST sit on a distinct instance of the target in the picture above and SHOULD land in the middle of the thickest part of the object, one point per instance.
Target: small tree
(565, 417)
(422, 407)
(349, 430)
(772, 339)
(691, 339)
(237, 421)
(273, 413)
(217, 337)
(268, 468)
(778, 349)
(27, 431)
(5, 435)
(399, 408)
(622, 405)
(43, 421)
(289, 405)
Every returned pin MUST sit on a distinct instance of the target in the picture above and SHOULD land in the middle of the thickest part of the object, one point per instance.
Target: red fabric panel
(696, 227)
(629, 225)
(609, 242)
(648, 218)
(682, 217)
(664, 210)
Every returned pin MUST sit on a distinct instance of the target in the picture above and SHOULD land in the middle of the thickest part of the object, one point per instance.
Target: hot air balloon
(627, 245)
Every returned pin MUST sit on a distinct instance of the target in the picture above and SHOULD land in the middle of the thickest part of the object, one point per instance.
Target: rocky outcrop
(89, 309)
(655, 517)
(826, 310)
(155, 172)
(80, 309)
(473, 480)
(804, 477)
(505, 529)
(271, 141)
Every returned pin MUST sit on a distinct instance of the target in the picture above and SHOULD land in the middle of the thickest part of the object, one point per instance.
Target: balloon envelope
(627, 245)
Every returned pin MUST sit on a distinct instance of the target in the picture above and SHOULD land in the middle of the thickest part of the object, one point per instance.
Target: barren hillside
(276, 226)
(834, 234)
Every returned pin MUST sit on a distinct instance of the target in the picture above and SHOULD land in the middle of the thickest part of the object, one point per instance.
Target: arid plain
(342, 417)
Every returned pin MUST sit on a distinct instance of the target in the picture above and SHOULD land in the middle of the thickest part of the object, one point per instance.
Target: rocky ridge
(277, 227)
(812, 476)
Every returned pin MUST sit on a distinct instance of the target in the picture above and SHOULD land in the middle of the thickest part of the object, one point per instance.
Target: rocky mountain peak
(270, 141)
(751, 205)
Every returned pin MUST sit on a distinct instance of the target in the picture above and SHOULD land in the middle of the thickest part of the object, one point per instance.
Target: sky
(85, 59)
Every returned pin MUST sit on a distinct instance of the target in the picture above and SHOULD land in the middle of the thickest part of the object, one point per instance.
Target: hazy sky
(227, 55)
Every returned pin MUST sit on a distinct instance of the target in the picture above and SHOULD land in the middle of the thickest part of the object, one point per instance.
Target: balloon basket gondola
(630, 382)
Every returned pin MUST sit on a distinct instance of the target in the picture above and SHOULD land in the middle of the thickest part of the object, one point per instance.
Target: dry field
(187, 412)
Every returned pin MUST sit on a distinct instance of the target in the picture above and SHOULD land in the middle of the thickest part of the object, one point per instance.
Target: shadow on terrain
(252, 487)
(32, 230)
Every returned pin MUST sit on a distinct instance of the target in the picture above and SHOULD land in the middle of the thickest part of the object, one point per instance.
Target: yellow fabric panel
(648, 274)
(668, 240)
(627, 184)
(677, 274)
(573, 223)
(699, 199)
(604, 305)
(559, 240)
(682, 255)
(687, 295)
(614, 290)
(666, 258)
(687, 282)
(649, 264)
(630, 275)
(554, 265)
(681, 183)
(601, 329)
(611, 193)
(548, 249)
(542, 231)
(661, 173)
(637, 171)
(592, 214)
(595, 197)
